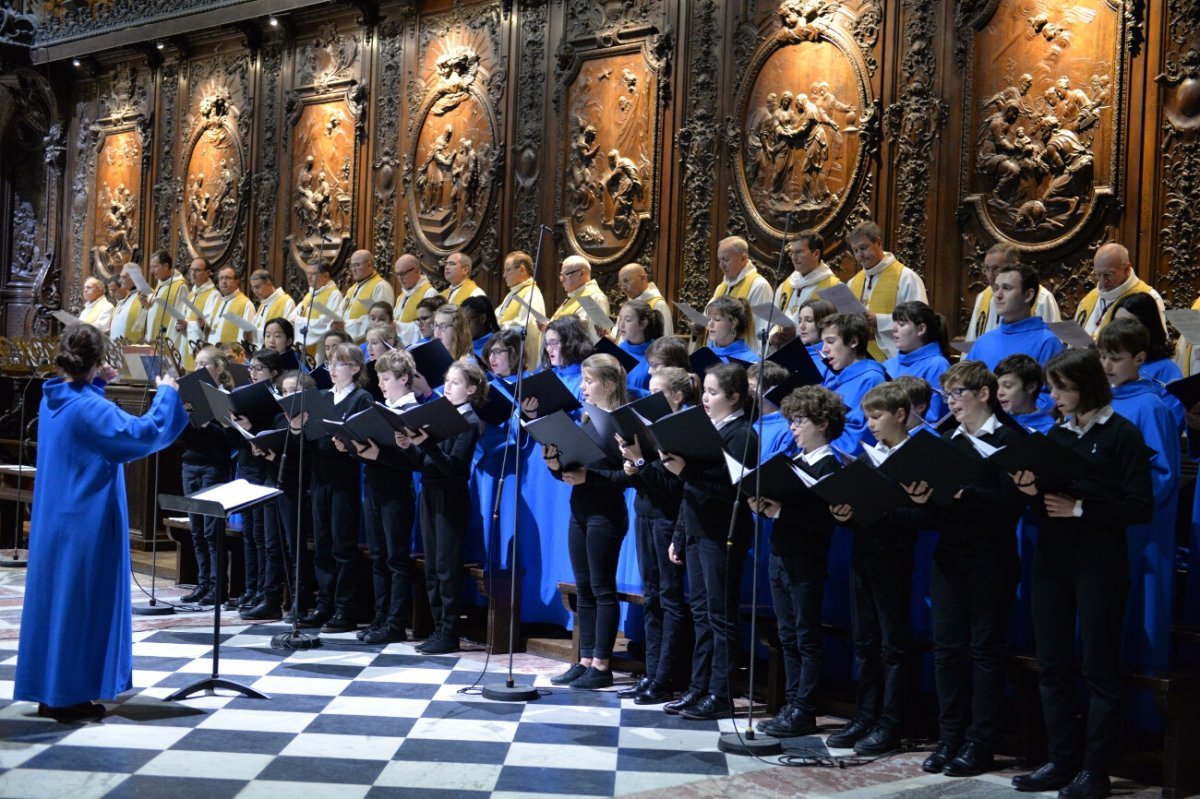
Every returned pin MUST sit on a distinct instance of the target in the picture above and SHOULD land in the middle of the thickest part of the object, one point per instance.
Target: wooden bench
(569, 594)
(495, 631)
(186, 572)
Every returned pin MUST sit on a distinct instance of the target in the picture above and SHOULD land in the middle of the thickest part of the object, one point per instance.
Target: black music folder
(373, 424)
(440, 419)
(871, 494)
(634, 418)
(314, 402)
(794, 357)
(575, 447)
(1055, 467)
(605, 346)
(691, 435)
(702, 360)
(550, 391)
(219, 406)
(796, 380)
(191, 393)
(779, 479)
(606, 428)
(239, 372)
(1186, 390)
(432, 360)
(943, 466)
(498, 408)
(256, 403)
(320, 376)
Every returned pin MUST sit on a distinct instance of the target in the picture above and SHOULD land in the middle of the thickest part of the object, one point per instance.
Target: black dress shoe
(209, 599)
(849, 735)
(247, 600)
(266, 610)
(84, 711)
(569, 676)
(709, 707)
(1049, 777)
(792, 723)
(879, 741)
(654, 694)
(441, 644)
(195, 594)
(689, 698)
(384, 634)
(1088, 784)
(971, 761)
(375, 624)
(632, 691)
(781, 718)
(339, 623)
(315, 618)
(941, 756)
(593, 680)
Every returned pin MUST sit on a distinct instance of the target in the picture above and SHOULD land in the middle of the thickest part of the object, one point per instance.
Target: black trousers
(662, 592)
(261, 543)
(971, 588)
(205, 529)
(445, 513)
(798, 593)
(1084, 577)
(881, 589)
(282, 516)
(594, 544)
(335, 510)
(714, 582)
(388, 520)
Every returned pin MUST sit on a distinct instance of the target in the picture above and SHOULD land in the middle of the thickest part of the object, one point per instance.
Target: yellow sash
(741, 289)
(90, 315)
(366, 288)
(322, 297)
(457, 295)
(985, 303)
(513, 310)
(236, 305)
(408, 306)
(571, 307)
(883, 297)
(268, 312)
(169, 293)
(787, 290)
(135, 321)
(1088, 304)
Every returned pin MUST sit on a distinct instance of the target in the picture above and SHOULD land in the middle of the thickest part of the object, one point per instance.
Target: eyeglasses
(406, 273)
(424, 319)
(798, 421)
(959, 393)
(553, 345)
(568, 274)
(443, 326)
(256, 367)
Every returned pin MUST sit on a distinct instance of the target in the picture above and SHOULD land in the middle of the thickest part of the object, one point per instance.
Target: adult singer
(76, 627)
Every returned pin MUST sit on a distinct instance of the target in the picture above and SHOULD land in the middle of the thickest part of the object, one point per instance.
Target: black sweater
(329, 465)
(602, 493)
(804, 526)
(708, 496)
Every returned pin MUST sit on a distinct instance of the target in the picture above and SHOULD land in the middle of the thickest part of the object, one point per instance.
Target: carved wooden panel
(215, 157)
(325, 112)
(1046, 101)
(804, 111)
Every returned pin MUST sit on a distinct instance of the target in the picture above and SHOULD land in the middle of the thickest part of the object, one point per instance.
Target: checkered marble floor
(344, 720)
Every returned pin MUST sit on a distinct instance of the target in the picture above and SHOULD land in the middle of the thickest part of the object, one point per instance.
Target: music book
(595, 313)
(374, 424)
(702, 360)
(139, 279)
(575, 447)
(66, 319)
(239, 372)
(142, 367)
(691, 435)
(169, 310)
(498, 408)
(943, 466)
(191, 393)
(843, 299)
(257, 403)
(290, 360)
(267, 440)
(605, 346)
(1186, 390)
(440, 419)
(1187, 322)
(795, 357)
(794, 381)
(338, 431)
(218, 403)
(606, 428)
(1055, 467)
(781, 480)
(314, 402)
(693, 316)
(550, 391)
(239, 322)
(634, 418)
(432, 360)
(236, 494)
(871, 494)
(191, 306)
(1071, 334)
(320, 376)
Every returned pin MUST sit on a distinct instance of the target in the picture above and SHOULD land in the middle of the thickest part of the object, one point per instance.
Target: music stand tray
(221, 500)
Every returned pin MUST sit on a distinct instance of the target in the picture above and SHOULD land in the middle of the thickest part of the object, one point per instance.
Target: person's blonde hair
(608, 370)
(461, 345)
(351, 354)
(224, 379)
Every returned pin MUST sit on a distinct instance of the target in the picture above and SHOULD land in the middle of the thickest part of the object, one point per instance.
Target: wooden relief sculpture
(216, 178)
(454, 152)
(1046, 102)
(609, 159)
(325, 112)
(801, 111)
(122, 137)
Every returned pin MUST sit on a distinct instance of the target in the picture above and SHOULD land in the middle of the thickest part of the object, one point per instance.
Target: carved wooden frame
(841, 33)
(243, 190)
(138, 123)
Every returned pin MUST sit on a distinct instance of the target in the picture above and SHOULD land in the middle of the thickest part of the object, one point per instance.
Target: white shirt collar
(1101, 417)
(988, 427)
(800, 281)
(745, 270)
(408, 399)
(422, 282)
(888, 260)
(884, 450)
(728, 419)
(338, 396)
(203, 287)
(820, 452)
(651, 293)
(1122, 289)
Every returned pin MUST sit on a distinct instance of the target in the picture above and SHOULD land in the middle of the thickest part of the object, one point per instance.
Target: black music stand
(214, 507)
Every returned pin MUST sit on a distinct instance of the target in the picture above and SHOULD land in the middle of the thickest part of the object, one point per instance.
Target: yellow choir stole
(883, 298)
(455, 296)
(236, 305)
(1088, 304)
(408, 305)
(787, 290)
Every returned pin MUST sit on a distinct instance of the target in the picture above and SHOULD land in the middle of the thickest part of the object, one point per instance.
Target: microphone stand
(735, 743)
(293, 638)
(509, 691)
(20, 557)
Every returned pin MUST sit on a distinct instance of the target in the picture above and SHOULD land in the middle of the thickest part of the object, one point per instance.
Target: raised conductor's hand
(166, 380)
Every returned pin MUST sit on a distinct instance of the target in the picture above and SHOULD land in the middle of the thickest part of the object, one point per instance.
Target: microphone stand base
(295, 641)
(14, 558)
(503, 692)
(750, 744)
(153, 609)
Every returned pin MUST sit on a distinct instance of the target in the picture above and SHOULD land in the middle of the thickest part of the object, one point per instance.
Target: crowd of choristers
(1089, 565)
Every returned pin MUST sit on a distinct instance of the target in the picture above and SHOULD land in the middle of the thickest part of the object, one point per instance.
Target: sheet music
(1187, 322)
(236, 493)
(170, 310)
(805, 477)
(595, 313)
(231, 317)
(191, 306)
(66, 318)
(843, 299)
(694, 316)
(737, 471)
(325, 310)
(139, 280)
(772, 316)
(534, 314)
(982, 447)
(874, 456)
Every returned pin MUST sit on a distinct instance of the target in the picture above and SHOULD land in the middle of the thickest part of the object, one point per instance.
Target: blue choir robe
(1151, 546)
(1039, 421)
(814, 352)
(775, 433)
(478, 344)
(739, 349)
(927, 363)
(1028, 337)
(77, 624)
(1191, 605)
(1161, 372)
(638, 379)
(851, 384)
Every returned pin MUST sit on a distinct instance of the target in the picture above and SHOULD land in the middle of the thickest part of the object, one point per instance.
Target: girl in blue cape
(638, 326)
(731, 330)
(920, 336)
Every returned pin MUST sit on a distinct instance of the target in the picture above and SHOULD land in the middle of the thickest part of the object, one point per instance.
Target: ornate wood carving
(915, 121)
(527, 154)
(216, 176)
(325, 113)
(386, 164)
(122, 139)
(604, 23)
(166, 188)
(696, 144)
(1047, 93)
(799, 161)
(454, 163)
(1179, 151)
(266, 179)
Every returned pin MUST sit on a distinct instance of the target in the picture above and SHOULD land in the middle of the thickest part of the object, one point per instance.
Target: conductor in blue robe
(76, 626)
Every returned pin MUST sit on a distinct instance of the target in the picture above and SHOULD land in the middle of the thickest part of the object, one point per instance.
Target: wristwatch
(640, 462)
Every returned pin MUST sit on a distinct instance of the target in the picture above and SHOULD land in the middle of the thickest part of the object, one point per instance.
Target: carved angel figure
(582, 187)
(435, 170)
(624, 187)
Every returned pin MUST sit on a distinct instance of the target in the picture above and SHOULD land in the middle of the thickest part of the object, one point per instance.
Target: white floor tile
(394, 674)
(270, 789)
(674, 740)
(311, 686)
(464, 730)
(206, 765)
(53, 784)
(126, 736)
(13, 754)
(230, 667)
(257, 721)
(568, 714)
(353, 747)
(377, 706)
(562, 756)
(151, 649)
(446, 776)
